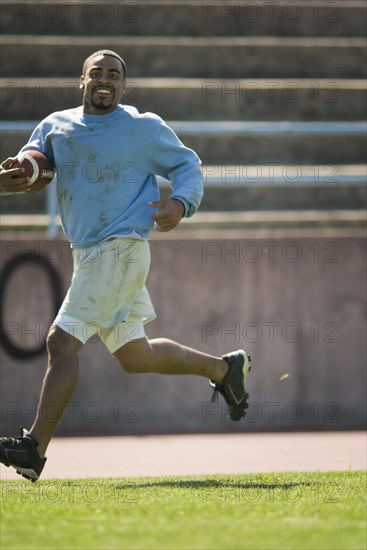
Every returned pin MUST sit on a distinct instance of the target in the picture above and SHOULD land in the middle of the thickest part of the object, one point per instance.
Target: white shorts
(107, 295)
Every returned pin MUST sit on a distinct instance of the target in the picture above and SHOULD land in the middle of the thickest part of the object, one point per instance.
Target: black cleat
(20, 452)
(233, 386)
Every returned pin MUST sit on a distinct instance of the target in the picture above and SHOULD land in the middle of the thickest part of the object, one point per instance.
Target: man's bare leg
(159, 355)
(58, 385)
(165, 356)
(27, 453)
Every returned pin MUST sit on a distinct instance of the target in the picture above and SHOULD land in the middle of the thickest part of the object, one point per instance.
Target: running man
(107, 156)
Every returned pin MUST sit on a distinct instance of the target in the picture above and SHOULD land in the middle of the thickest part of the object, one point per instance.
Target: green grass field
(268, 511)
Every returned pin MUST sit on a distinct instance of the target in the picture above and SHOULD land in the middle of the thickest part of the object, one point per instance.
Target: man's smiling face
(104, 84)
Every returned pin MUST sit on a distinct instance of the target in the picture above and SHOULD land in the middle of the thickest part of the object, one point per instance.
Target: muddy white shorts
(107, 295)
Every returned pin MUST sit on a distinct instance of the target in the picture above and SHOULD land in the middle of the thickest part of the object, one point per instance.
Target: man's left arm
(182, 166)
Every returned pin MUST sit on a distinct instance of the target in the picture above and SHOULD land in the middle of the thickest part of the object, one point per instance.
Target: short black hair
(100, 53)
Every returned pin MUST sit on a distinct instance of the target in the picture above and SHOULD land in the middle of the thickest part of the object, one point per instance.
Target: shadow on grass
(212, 484)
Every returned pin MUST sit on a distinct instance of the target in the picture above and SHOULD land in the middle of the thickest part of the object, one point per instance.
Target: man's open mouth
(103, 91)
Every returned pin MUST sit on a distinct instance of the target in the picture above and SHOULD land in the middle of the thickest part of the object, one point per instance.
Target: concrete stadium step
(221, 221)
(178, 98)
(190, 18)
(260, 219)
(243, 187)
(282, 142)
(210, 57)
(270, 187)
(278, 197)
(332, 143)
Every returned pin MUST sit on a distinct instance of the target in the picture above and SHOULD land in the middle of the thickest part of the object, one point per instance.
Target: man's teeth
(103, 91)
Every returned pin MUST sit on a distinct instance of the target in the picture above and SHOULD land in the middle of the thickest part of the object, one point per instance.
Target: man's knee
(130, 363)
(134, 357)
(60, 342)
(129, 366)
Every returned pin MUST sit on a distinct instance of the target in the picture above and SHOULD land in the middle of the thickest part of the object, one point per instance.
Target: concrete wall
(296, 304)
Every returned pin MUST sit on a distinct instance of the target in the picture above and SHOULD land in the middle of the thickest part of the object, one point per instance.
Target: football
(37, 167)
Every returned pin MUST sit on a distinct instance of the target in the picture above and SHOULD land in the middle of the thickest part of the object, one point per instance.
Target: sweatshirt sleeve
(36, 141)
(40, 141)
(179, 164)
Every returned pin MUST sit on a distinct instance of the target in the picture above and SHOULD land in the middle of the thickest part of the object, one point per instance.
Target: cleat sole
(28, 473)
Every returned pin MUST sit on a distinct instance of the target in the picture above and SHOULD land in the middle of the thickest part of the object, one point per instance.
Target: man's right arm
(10, 178)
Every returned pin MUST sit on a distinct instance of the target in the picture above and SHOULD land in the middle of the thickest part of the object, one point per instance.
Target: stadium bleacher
(270, 95)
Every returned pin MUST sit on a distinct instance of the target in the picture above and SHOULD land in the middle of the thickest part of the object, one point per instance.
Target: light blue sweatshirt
(106, 168)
